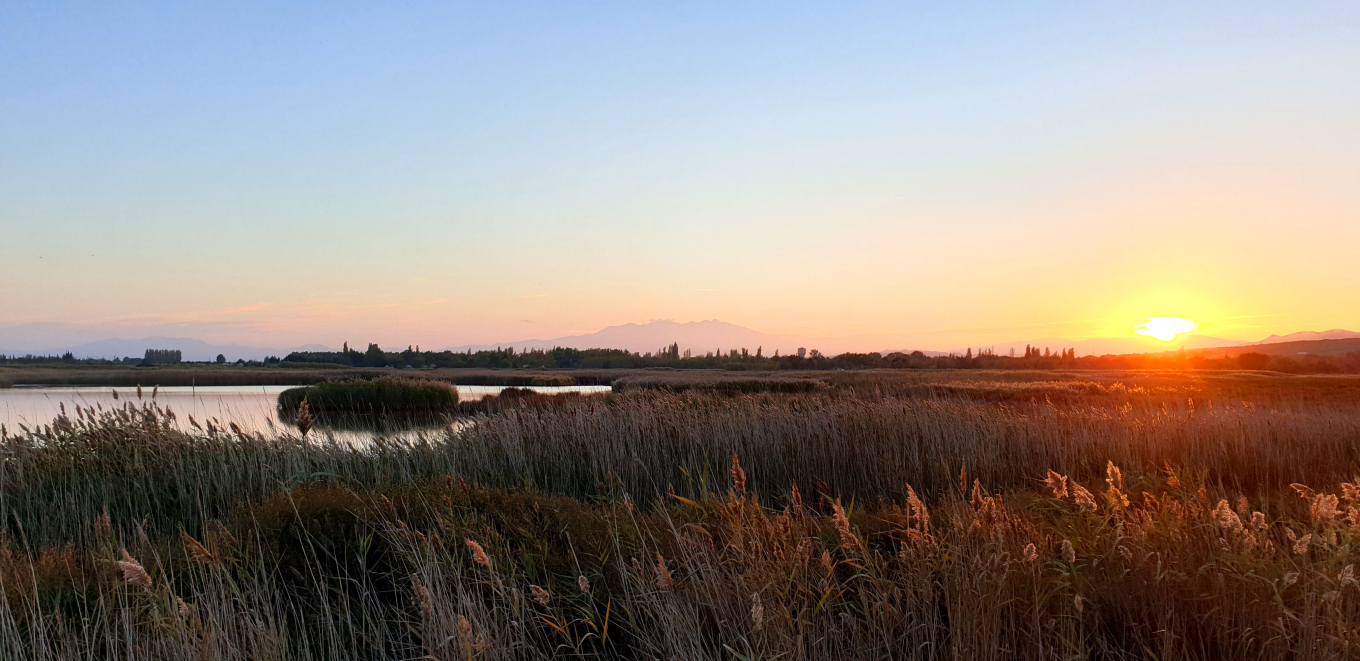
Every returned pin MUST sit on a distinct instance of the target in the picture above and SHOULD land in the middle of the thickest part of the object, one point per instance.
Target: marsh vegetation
(1077, 517)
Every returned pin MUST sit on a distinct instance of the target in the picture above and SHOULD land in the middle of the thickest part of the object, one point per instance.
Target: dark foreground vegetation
(1152, 516)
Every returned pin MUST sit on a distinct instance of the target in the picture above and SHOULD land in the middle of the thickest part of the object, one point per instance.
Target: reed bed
(831, 525)
(718, 382)
(372, 396)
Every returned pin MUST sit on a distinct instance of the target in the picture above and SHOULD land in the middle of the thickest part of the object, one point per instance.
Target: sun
(1165, 328)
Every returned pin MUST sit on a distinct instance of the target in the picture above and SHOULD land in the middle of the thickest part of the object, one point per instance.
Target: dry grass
(864, 524)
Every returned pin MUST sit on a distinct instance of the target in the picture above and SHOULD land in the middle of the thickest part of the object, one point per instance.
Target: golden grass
(648, 525)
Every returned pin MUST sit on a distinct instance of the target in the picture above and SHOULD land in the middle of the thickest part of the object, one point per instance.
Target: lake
(252, 408)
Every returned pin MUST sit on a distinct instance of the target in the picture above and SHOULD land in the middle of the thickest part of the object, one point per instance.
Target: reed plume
(133, 572)
(663, 574)
(478, 554)
(195, 550)
(540, 595)
(1057, 484)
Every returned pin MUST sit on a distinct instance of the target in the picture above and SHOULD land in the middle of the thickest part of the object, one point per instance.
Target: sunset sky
(929, 176)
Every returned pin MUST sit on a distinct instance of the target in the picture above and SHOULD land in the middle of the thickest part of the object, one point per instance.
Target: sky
(910, 174)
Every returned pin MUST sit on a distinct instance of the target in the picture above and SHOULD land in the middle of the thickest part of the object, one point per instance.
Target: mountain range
(699, 337)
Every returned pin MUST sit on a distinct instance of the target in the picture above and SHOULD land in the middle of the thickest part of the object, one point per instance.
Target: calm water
(250, 407)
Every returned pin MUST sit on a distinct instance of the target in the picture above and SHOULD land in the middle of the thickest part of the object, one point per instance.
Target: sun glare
(1165, 328)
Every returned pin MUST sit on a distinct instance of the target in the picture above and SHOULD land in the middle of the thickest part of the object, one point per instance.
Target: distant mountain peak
(1304, 336)
(698, 336)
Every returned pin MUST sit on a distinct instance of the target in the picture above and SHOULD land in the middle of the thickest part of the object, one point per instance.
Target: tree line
(671, 356)
(744, 359)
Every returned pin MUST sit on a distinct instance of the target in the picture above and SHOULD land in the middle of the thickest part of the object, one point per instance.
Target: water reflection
(251, 408)
(380, 422)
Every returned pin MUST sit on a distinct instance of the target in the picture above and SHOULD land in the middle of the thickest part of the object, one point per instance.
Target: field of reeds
(1079, 516)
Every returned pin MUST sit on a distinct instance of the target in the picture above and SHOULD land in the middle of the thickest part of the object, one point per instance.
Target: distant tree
(1253, 361)
(374, 356)
(221, 359)
(161, 357)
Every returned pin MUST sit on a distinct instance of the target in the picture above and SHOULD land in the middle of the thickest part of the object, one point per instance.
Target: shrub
(382, 395)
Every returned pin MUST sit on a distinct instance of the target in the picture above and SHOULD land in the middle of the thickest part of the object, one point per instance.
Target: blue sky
(447, 174)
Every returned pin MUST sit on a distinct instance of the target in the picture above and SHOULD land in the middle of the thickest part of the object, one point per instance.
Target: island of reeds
(380, 396)
(1060, 516)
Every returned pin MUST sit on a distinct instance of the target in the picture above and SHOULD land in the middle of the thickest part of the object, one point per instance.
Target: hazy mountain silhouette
(698, 336)
(1334, 334)
(1325, 347)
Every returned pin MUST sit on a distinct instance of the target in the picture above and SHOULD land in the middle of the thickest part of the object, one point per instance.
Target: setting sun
(1165, 328)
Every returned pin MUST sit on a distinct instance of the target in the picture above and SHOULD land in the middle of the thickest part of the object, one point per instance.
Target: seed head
(422, 597)
(1291, 578)
(1069, 554)
(583, 583)
(918, 509)
(195, 550)
(133, 572)
(464, 629)
(1171, 479)
(1031, 554)
(1258, 520)
(478, 554)
(1301, 546)
(738, 476)
(1056, 483)
(1083, 498)
(1113, 477)
(304, 417)
(843, 526)
(1226, 518)
(103, 527)
(1323, 508)
(663, 575)
(757, 611)
(540, 595)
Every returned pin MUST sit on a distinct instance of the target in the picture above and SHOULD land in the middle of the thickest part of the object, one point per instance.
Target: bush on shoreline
(387, 394)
